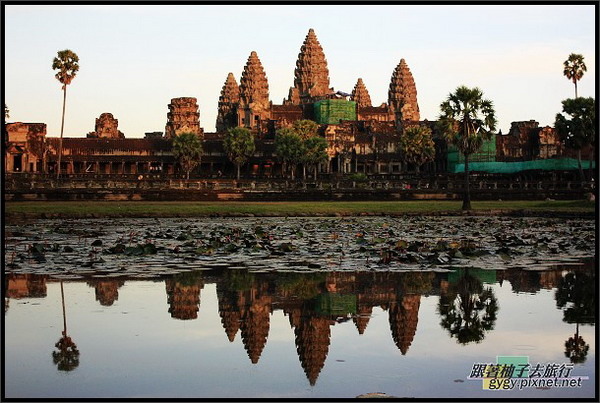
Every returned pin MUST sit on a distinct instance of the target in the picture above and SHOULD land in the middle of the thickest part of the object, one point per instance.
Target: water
(349, 314)
(294, 337)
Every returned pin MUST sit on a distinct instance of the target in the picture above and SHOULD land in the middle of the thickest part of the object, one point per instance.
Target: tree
(305, 128)
(574, 67)
(187, 149)
(468, 310)
(580, 130)
(67, 64)
(67, 356)
(239, 146)
(315, 152)
(466, 121)
(289, 148)
(576, 296)
(416, 145)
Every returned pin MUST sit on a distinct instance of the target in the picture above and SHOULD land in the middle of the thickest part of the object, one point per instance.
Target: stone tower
(228, 103)
(402, 94)
(183, 300)
(360, 95)
(183, 116)
(107, 127)
(254, 94)
(403, 318)
(313, 336)
(254, 326)
(311, 77)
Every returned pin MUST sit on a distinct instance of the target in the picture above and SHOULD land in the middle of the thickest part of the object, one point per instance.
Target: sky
(134, 59)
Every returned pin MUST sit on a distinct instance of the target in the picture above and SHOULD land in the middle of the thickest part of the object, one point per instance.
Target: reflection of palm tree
(576, 348)
(577, 290)
(67, 356)
(468, 310)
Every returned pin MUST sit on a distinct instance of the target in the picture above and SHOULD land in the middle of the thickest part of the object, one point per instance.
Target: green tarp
(558, 164)
(336, 304)
(485, 276)
(487, 153)
(331, 111)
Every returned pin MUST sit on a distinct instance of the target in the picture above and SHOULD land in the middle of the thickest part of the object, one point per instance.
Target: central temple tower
(311, 76)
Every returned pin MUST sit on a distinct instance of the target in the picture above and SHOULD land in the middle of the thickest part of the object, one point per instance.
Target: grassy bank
(201, 209)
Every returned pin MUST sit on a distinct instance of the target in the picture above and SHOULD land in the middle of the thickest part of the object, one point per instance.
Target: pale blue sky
(134, 59)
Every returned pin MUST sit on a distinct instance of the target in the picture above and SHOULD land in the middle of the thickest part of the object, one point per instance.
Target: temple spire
(254, 105)
(311, 76)
(402, 94)
(254, 88)
(228, 101)
(360, 95)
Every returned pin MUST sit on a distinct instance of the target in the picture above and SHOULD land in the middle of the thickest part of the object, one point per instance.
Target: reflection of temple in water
(312, 335)
(107, 291)
(183, 295)
(313, 302)
(403, 316)
(19, 286)
(255, 309)
(245, 304)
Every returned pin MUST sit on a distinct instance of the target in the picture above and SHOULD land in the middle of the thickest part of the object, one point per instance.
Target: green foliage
(289, 147)
(416, 145)
(239, 146)
(358, 177)
(578, 129)
(468, 310)
(187, 149)
(305, 128)
(467, 119)
(304, 286)
(575, 295)
(67, 64)
(315, 151)
(574, 68)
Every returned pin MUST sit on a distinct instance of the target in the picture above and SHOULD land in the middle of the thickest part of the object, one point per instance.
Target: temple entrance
(18, 163)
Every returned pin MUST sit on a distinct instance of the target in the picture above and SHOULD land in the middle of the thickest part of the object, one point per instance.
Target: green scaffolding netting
(331, 111)
(487, 153)
(559, 164)
(335, 304)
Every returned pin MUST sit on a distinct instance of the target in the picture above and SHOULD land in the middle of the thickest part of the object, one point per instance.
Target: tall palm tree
(67, 65)
(467, 120)
(574, 67)
(67, 356)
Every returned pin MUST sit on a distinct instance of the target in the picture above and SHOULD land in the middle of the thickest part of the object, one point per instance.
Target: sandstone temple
(362, 138)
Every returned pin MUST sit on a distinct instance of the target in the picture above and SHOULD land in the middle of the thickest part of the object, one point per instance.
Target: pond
(300, 308)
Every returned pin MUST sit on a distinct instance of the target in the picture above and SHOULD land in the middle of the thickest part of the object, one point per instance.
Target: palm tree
(466, 121)
(67, 65)
(468, 310)
(67, 356)
(417, 146)
(574, 67)
(576, 349)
